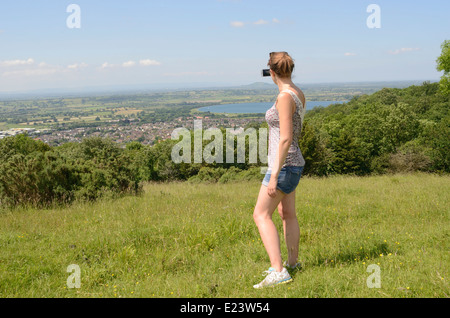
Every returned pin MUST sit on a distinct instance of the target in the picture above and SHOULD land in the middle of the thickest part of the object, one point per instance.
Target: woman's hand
(272, 187)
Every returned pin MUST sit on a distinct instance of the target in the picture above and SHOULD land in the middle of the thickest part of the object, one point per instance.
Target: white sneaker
(274, 278)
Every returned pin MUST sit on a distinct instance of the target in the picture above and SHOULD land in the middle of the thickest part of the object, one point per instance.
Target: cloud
(41, 70)
(260, 22)
(237, 24)
(29, 68)
(146, 62)
(129, 64)
(30, 72)
(149, 62)
(241, 24)
(76, 66)
(30, 61)
(106, 65)
(350, 54)
(403, 50)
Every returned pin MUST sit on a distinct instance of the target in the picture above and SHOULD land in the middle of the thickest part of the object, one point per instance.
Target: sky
(46, 44)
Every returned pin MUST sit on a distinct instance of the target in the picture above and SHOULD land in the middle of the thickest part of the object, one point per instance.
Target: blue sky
(215, 42)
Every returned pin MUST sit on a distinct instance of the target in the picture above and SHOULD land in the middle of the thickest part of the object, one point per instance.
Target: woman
(286, 163)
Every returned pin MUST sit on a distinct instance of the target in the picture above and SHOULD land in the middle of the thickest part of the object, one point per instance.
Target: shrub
(410, 157)
(33, 173)
(208, 174)
(232, 174)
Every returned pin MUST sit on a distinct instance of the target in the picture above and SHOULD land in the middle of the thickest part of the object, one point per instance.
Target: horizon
(164, 87)
(213, 43)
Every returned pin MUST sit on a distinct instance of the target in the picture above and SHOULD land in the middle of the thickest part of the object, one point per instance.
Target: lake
(257, 107)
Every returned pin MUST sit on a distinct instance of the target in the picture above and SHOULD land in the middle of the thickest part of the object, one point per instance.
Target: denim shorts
(288, 178)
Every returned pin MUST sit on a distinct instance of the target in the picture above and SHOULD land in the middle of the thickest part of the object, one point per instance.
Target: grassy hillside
(199, 240)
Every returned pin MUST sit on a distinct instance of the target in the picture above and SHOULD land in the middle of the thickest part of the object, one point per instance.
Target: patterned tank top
(294, 156)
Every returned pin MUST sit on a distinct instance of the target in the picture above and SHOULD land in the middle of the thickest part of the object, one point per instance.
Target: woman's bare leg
(286, 209)
(265, 206)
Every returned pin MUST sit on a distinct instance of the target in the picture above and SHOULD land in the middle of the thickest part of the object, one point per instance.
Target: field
(199, 240)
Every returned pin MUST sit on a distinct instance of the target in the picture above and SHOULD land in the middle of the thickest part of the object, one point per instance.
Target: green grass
(199, 240)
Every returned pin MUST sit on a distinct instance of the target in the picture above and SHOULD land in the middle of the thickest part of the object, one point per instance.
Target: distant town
(16, 131)
(149, 117)
(133, 130)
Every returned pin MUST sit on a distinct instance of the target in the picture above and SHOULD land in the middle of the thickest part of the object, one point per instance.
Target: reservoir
(257, 107)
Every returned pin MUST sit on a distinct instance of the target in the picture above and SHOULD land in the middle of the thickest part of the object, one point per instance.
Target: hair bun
(281, 63)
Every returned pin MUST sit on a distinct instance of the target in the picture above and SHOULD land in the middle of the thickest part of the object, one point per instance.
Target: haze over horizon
(214, 43)
(164, 87)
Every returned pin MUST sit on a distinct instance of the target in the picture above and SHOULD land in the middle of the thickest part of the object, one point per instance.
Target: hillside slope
(199, 240)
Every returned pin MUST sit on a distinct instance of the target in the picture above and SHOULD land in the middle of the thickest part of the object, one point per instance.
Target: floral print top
(294, 156)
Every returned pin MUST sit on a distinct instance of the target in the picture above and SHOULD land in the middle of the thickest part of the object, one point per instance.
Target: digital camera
(265, 73)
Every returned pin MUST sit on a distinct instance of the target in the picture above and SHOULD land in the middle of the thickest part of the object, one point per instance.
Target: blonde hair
(281, 63)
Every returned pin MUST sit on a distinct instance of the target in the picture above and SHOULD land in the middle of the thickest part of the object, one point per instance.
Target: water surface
(257, 107)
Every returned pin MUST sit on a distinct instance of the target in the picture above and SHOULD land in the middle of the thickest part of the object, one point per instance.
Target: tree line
(392, 130)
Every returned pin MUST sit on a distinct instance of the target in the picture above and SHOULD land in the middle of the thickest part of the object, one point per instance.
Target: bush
(208, 174)
(232, 174)
(253, 173)
(20, 144)
(410, 157)
(37, 179)
(33, 173)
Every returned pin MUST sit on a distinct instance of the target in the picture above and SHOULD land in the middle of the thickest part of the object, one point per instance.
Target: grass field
(199, 240)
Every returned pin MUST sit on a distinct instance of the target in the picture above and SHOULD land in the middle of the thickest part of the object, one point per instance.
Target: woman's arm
(285, 109)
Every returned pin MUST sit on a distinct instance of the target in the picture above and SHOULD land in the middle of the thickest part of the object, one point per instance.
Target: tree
(348, 156)
(399, 125)
(443, 64)
(436, 138)
(313, 146)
